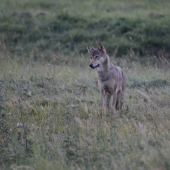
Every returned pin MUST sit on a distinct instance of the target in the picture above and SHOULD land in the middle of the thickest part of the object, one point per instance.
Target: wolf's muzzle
(93, 66)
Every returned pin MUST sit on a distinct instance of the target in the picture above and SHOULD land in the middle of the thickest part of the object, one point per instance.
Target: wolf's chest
(106, 86)
(108, 89)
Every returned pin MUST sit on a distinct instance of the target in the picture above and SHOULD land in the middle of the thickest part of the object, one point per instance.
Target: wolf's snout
(91, 65)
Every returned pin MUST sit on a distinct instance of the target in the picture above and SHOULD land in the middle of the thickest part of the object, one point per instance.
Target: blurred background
(39, 28)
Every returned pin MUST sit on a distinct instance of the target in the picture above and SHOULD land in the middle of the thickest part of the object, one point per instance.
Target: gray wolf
(111, 79)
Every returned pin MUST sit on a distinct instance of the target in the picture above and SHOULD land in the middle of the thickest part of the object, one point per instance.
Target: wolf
(111, 79)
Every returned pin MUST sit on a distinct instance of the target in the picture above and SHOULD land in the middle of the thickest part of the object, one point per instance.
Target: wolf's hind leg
(114, 99)
(103, 100)
(119, 101)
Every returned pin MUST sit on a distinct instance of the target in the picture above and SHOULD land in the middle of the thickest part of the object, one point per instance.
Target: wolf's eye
(97, 57)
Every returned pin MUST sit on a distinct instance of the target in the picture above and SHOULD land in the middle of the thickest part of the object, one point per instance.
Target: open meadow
(50, 108)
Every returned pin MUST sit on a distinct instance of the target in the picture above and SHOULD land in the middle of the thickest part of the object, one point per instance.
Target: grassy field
(50, 108)
(51, 118)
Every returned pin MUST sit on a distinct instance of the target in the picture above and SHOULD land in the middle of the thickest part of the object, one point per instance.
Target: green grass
(51, 118)
(50, 108)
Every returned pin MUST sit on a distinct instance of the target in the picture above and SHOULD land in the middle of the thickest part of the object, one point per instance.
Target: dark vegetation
(67, 33)
(146, 34)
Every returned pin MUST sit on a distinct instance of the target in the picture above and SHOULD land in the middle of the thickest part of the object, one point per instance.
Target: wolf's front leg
(108, 96)
(114, 99)
(103, 102)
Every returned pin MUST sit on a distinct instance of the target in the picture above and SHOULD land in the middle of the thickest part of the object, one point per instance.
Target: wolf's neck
(103, 71)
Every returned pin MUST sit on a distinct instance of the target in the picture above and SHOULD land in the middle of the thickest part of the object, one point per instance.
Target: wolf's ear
(101, 48)
(89, 48)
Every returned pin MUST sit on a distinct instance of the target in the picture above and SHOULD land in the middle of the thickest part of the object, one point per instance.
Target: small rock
(19, 124)
(29, 93)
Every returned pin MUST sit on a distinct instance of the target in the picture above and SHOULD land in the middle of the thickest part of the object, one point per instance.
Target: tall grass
(50, 108)
(51, 118)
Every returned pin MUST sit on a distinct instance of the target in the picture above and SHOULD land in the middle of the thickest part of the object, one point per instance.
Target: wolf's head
(97, 56)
